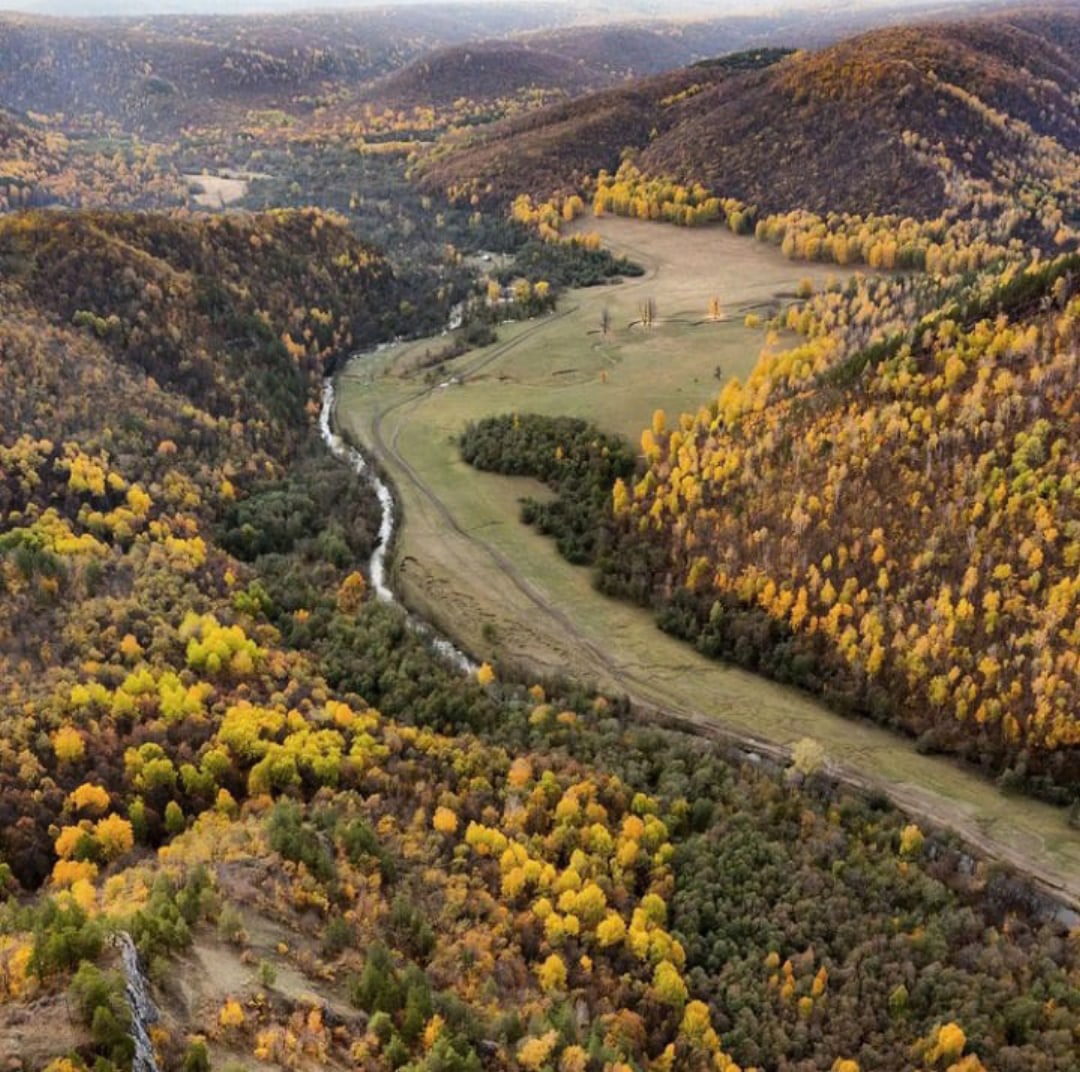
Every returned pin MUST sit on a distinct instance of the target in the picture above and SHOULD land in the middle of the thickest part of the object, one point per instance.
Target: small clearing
(217, 191)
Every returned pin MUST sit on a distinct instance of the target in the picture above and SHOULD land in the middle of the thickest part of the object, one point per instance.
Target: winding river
(377, 567)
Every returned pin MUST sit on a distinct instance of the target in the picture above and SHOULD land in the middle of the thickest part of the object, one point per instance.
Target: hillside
(485, 71)
(132, 75)
(934, 114)
(912, 121)
(150, 371)
(330, 848)
(561, 147)
(154, 75)
(26, 159)
(147, 284)
(568, 61)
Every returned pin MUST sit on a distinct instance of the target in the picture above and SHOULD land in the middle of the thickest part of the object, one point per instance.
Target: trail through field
(467, 564)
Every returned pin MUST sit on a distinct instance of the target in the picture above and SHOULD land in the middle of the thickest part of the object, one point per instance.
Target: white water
(352, 457)
(143, 1011)
(377, 568)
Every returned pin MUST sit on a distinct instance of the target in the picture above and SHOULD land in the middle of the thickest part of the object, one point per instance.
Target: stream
(377, 567)
(143, 1011)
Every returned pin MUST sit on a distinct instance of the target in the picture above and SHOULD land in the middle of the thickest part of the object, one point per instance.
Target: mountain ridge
(854, 127)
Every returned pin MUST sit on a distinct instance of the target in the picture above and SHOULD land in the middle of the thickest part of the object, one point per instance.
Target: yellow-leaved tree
(552, 973)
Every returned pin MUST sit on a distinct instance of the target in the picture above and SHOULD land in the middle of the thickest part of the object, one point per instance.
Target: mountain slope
(895, 527)
(156, 74)
(833, 131)
(485, 71)
(145, 284)
(151, 372)
(561, 147)
(906, 120)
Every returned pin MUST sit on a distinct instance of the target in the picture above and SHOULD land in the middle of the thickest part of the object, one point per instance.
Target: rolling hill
(484, 71)
(560, 147)
(911, 120)
(156, 74)
(570, 60)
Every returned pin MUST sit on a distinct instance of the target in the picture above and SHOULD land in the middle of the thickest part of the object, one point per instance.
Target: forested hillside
(39, 165)
(912, 121)
(897, 529)
(561, 148)
(485, 71)
(213, 739)
(152, 369)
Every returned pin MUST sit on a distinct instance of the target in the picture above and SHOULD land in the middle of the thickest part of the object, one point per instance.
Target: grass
(466, 562)
(570, 367)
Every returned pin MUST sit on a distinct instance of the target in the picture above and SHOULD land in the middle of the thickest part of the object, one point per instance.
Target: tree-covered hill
(906, 120)
(484, 71)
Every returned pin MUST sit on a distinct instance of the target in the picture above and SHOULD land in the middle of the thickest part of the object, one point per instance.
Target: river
(377, 568)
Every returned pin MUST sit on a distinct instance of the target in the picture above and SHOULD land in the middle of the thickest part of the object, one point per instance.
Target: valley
(537, 540)
(465, 561)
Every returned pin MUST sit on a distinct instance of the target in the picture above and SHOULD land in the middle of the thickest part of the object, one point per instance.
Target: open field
(570, 367)
(466, 563)
(216, 191)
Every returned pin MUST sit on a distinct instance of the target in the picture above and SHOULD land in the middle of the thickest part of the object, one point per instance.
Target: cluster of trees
(40, 166)
(371, 125)
(954, 243)
(573, 458)
(568, 264)
(630, 193)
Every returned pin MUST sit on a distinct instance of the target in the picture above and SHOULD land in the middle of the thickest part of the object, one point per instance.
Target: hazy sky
(639, 8)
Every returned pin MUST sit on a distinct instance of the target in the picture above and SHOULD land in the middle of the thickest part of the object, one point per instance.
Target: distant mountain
(484, 71)
(837, 130)
(905, 120)
(154, 74)
(158, 73)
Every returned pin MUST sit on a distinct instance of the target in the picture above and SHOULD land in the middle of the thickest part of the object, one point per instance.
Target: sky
(638, 8)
